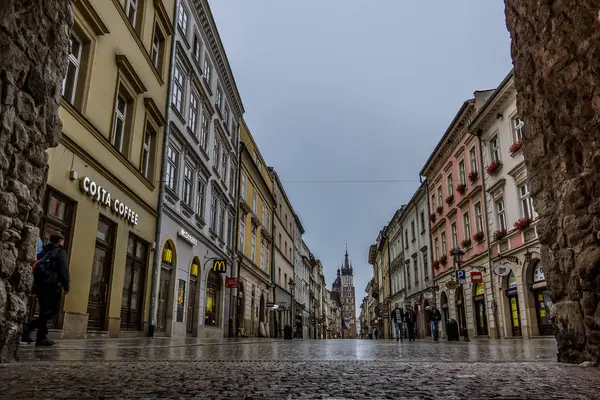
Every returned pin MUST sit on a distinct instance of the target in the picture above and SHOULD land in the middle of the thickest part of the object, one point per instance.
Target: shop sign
(104, 198)
(220, 266)
(511, 292)
(461, 276)
(476, 277)
(502, 270)
(188, 238)
(451, 285)
(538, 285)
(428, 295)
(479, 290)
(231, 283)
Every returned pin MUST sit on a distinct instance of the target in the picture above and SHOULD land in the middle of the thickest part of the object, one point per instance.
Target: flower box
(433, 217)
(436, 264)
(443, 259)
(466, 243)
(522, 223)
(473, 175)
(439, 209)
(450, 199)
(478, 237)
(462, 188)
(516, 146)
(500, 234)
(494, 167)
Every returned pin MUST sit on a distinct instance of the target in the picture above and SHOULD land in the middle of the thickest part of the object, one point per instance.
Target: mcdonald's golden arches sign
(220, 266)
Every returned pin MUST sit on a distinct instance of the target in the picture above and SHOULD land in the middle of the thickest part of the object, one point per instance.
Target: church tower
(347, 296)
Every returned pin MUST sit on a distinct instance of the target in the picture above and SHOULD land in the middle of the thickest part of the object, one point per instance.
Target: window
(425, 266)
(207, 71)
(156, 46)
(188, 177)
(178, 89)
(196, 47)
(118, 139)
(450, 186)
(242, 233)
(226, 117)
(217, 152)
(406, 239)
(253, 244)
(243, 186)
(269, 221)
(262, 256)
(222, 221)
(495, 148)
(444, 246)
(285, 281)
(416, 268)
(180, 300)
(280, 242)
(74, 61)
(101, 267)
(440, 198)
(182, 20)
(255, 202)
(219, 99)
(526, 202)
(518, 127)
(408, 273)
(213, 212)
(479, 218)
(204, 132)
(473, 159)
(436, 248)
(200, 198)
(264, 215)
(467, 226)
(461, 172)
(433, 204)
(193, 114)
(257, 162)
(213, 299)
(131, 11)
(232, 187)
(172, 168)
(224, 164)
(412, 230)
(454, 236)
(501, 214)
(147, 150)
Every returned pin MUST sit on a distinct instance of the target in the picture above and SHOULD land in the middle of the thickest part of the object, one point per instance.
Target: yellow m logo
(220, 266)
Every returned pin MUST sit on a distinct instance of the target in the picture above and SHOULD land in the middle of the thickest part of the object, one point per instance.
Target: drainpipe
(489, 243)
(161, 189)
(235, 267)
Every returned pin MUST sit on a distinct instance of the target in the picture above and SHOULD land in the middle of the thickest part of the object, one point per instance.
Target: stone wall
(34, 43)
(556, 53)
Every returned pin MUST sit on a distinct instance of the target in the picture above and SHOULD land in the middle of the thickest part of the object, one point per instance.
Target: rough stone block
(8, 204)
(8, 262)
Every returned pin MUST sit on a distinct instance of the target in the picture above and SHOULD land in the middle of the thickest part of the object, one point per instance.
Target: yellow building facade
(255, 240)
(103, 178)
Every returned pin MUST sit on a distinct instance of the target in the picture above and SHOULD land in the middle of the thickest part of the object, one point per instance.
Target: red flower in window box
(500, 234)
(473, 175)
(443, 259)
(516, 146)
(439, 209)
(450, 199)
(478, 237)
(523, 223)
(466, 243)
(433, 217)
(494, 167)
(436, 264)
(462, 188)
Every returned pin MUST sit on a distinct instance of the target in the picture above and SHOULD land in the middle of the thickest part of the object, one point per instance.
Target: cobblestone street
(163, 368)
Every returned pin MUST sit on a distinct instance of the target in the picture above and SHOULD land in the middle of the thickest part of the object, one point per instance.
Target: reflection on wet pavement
(143, 349)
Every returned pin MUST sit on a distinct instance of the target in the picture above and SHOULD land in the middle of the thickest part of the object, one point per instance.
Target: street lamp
(292, 285)
(457, 255)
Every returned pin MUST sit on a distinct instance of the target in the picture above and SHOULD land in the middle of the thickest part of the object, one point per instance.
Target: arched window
(512, 281)
(167, 256)
(538, 273)
(213, 299)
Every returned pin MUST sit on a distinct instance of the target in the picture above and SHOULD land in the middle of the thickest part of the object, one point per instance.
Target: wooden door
(481, 318)
(191, 314)
(514, 315)
(132, 302)
(163, 297)
(101, 272)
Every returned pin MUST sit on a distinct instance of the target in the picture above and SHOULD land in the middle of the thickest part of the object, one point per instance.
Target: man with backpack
(435, 316)
(411, 320)
(50, 278)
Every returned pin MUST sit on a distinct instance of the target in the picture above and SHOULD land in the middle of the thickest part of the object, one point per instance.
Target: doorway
(132, 302)
(101, 272)
(480, 313)
(460, 309)
(241, 306)
(445, 310)
(164, 288)
(513, 305)
(192, 312)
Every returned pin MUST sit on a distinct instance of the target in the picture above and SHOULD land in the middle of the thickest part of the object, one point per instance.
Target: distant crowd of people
(404, 322)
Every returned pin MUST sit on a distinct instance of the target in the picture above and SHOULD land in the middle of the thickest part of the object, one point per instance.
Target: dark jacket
(397, 315)
(411, 317)
(60, 263)
(435, 315)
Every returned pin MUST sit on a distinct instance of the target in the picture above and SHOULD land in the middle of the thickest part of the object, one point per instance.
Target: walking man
(50, 278)
(411, 319)
(435, 316)
(397, 317)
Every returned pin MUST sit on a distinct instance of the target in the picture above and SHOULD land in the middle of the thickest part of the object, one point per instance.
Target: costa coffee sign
(103, 197)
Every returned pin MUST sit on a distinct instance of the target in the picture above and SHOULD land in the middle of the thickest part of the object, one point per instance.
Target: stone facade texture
(555, 48)
(34, 43)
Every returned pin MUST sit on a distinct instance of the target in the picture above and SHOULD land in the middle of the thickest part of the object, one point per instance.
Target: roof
(491, 99)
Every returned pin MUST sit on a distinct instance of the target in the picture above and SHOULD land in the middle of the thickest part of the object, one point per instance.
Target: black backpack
(44, 271)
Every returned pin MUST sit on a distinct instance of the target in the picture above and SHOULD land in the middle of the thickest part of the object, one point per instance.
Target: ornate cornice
(92, 17)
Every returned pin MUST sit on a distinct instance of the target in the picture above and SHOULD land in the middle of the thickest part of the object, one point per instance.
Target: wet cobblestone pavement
(254, 368)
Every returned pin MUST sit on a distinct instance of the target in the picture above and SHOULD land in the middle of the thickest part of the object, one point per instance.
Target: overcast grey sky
(356, 90)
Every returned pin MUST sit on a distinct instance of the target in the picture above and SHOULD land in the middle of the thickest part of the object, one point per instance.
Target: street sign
(220, 266)
(451, 285)
(428, 295)
(502, 270)
(231, 283)
(461, 276)
(476, 277)
(270, 304)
